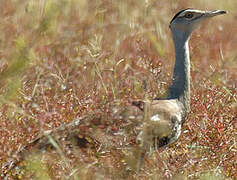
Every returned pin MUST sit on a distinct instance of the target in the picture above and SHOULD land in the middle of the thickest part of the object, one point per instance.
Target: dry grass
(63, 60)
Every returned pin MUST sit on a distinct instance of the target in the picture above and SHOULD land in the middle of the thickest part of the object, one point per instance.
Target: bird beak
(214, 13)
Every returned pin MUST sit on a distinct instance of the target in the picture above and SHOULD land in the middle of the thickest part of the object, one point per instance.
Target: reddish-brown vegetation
(63, 60)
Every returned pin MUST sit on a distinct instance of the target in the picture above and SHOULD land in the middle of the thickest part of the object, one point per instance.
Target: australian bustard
(165, 117)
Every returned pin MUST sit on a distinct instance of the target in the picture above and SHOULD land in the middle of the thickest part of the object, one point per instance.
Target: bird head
(185, 21)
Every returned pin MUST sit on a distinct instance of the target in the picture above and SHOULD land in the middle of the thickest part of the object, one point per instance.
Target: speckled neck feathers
(180, 88)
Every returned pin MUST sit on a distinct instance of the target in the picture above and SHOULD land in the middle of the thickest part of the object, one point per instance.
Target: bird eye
(188, 15)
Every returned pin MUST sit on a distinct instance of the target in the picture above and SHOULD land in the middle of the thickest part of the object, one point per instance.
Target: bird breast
(162, 122)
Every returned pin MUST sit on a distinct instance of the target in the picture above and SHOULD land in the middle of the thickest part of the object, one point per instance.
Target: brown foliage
(92, 58)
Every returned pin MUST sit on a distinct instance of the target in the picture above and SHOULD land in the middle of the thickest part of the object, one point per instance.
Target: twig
(12, 163)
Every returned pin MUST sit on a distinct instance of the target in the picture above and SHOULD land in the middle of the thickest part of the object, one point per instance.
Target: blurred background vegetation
(63, 59)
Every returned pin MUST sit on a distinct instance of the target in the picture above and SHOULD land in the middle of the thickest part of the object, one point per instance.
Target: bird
(164, 117)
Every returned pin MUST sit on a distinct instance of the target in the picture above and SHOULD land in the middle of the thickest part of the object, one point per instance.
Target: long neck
(180, 87)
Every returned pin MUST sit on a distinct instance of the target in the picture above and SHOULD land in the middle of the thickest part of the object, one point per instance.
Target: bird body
(165, 120)
(165, 117)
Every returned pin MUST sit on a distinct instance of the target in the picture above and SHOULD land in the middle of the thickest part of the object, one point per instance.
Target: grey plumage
(165, 117)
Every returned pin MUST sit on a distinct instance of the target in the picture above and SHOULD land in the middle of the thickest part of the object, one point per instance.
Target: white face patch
(155, 118)
(197, 12)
